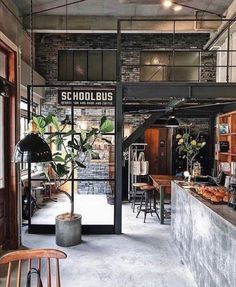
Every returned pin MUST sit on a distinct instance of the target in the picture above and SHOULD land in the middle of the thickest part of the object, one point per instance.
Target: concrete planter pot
(68, 230)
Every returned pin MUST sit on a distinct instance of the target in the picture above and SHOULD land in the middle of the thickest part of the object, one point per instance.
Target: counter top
(223, 210)
(206, 237)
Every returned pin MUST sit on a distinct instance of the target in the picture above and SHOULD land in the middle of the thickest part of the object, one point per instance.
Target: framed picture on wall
(223, 128)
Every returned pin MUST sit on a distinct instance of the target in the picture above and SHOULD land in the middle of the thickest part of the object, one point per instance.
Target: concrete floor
(85, 204)
(144, 255)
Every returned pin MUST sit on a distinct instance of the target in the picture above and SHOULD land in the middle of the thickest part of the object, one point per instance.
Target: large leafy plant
(75, 150)
(189, 147)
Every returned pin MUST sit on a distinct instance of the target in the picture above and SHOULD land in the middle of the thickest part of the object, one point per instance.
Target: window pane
(187, 58)
(65, 65)
(157, 73)
(109, 65)
(80, 66)
(156, 58)
(154, 66)
(3, 63)
(185, 74)
(94, 65)
(1, 144)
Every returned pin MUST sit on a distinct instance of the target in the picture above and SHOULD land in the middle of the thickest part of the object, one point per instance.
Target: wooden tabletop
(163, 180)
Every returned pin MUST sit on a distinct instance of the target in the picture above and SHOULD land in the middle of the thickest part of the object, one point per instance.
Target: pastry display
(226, 198)
(216, 194)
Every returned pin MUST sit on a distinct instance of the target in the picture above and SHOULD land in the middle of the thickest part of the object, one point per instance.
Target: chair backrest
(30, 255)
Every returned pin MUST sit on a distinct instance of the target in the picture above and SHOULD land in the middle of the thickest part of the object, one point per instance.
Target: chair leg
(141, 204)
(146, 206)
(150, 202)
(134, 199)
(155, 205)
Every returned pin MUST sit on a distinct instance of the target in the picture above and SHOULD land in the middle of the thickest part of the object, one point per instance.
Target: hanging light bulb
(167, 3)
(178, 8)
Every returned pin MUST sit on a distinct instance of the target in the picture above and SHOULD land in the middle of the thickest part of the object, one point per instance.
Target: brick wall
(47, 46)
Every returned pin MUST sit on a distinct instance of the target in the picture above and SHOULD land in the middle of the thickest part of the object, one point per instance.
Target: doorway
(158, 150)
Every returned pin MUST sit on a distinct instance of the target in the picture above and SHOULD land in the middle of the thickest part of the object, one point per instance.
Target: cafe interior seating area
(118, 143)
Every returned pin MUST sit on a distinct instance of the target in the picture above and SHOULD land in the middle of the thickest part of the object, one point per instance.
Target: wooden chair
(29, 255)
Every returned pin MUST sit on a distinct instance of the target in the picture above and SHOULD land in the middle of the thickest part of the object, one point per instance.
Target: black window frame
(102, 79)
(172, 65)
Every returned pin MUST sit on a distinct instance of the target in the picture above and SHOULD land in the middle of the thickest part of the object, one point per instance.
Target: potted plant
(72, 156)
(189, 147)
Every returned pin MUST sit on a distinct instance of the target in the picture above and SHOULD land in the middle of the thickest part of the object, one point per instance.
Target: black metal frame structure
(229, 22)
(86, 229)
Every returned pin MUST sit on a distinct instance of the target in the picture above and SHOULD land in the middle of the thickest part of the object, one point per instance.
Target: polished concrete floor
(144, 255)
(94, 208)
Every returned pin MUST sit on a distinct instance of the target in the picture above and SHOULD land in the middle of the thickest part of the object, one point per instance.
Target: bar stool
(48, 189)
(137, 185)
(149, 196)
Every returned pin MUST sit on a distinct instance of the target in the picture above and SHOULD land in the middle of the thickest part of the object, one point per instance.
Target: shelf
(225, 134)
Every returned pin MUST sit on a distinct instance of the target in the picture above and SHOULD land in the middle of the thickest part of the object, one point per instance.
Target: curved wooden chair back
(30, 255)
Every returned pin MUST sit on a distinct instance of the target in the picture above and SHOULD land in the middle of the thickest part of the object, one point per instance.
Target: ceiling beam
(75, 24)
(141, 129)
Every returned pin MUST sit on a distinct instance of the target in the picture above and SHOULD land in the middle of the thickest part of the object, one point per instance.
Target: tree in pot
(72, 156)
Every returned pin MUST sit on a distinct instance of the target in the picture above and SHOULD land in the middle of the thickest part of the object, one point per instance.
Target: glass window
(80, 66)
(109, 66)
(1, 143)
(3, 65)
(90, 65)
(94, 65)
(166, 66)
(65, 64)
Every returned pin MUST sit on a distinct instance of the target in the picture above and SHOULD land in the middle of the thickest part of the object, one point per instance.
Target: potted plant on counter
(189, 147)
(74, 152)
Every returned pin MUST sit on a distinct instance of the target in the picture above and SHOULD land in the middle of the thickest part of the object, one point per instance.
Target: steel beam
(140, 130)
(169, 91)
(119, 160)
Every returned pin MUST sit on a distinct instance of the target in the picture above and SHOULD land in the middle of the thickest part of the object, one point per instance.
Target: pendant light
(32, 148)
(172, 122)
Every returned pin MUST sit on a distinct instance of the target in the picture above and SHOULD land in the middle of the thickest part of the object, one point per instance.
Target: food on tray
(226, 198)
(216, 198)
(216, 194)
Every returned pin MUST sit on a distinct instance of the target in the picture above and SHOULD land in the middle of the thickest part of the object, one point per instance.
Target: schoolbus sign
(89, 97)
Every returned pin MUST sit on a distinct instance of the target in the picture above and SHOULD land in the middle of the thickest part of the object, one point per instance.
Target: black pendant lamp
(32, 148)
(172, 122)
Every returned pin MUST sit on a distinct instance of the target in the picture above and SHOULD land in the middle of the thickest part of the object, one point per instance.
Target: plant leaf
(107, 126)
(87, 147)
(55, 123)
(83, 137)
(58, 158)
(103, 119)
(80, 164)
(40, 123)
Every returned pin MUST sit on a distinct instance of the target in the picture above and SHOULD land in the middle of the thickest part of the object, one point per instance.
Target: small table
(163, 184)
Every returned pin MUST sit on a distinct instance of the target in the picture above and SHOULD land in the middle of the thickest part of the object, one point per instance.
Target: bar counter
(206, 237)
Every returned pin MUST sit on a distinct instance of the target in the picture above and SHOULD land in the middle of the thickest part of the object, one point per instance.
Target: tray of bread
(214, 194)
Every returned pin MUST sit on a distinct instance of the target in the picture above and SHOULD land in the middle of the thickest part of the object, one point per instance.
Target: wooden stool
(137, 185)
(149, 194)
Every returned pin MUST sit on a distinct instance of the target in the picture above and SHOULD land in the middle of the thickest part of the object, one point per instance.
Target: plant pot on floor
(68, 230)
